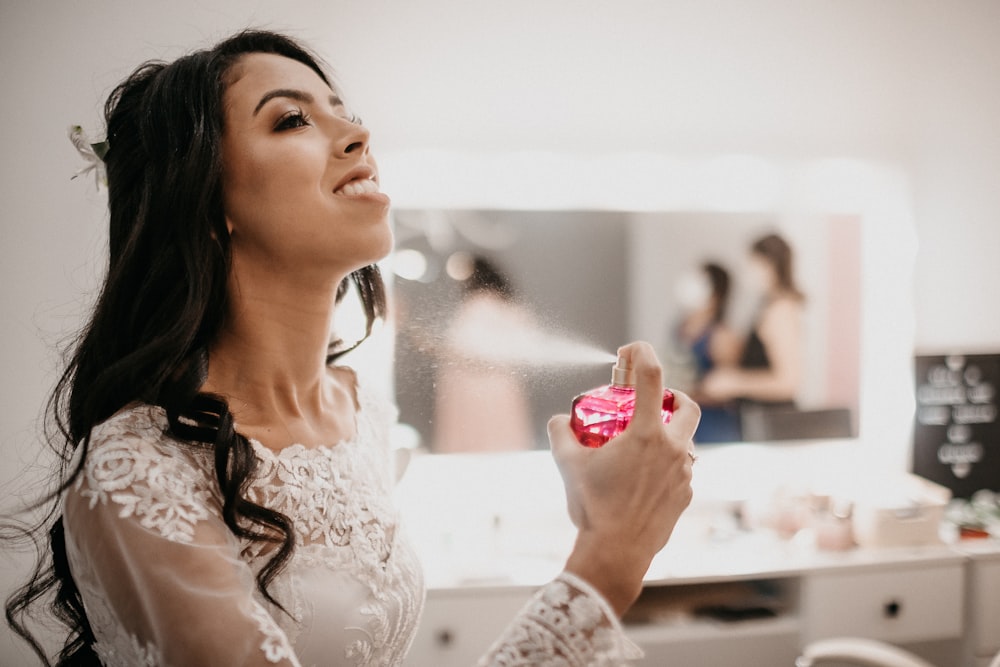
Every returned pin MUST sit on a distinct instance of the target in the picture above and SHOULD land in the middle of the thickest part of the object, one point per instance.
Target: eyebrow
(292, 93)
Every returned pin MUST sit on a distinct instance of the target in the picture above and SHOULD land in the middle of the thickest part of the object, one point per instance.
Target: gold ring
(693, 457)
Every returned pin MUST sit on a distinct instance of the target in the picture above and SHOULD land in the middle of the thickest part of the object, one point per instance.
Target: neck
(270, 356)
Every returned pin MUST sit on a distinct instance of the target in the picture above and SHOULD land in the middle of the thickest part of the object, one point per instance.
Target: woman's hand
(626, 496)
(722, 384)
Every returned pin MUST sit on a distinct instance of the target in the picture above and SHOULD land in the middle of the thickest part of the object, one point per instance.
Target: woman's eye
(292, 120)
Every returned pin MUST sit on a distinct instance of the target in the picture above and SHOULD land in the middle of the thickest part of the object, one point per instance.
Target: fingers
(568, 455)
(564, 444)
(559, 429)
(648, 385)
(647, 418)
(687, 415)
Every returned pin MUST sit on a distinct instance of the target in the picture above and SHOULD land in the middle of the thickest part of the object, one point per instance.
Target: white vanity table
(712, 597)
(941, 602)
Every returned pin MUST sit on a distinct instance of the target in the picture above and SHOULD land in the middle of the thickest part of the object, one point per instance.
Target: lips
(358, 181)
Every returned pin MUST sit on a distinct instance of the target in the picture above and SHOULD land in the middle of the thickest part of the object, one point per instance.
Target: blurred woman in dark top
(770, 366)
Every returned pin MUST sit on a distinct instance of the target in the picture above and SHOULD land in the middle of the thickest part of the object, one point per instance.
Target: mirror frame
(877, 194)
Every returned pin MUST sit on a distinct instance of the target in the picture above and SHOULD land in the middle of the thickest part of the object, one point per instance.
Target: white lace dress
(164, 581)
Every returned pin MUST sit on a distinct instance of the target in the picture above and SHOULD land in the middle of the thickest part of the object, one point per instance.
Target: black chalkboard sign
(956, 438)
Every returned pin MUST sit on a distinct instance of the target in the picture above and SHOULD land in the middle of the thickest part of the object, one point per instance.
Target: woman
(770, 365)
(711, 343)
(225, 489)
(704, 330)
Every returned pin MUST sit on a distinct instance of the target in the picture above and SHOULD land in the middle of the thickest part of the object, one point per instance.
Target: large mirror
(601, 249)
(504, 315)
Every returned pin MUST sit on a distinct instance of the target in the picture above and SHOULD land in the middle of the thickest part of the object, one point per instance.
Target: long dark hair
(161, 305)
(775, 250)
(719, 279)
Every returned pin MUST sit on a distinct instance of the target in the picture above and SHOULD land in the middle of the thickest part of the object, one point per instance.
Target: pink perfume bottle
(602, 413)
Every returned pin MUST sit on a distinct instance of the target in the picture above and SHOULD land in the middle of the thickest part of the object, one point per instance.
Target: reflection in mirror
(503, 316)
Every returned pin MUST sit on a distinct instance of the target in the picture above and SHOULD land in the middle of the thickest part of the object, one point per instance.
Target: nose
(355, 140)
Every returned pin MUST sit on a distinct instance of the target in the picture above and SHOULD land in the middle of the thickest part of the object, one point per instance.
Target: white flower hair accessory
(93, 154)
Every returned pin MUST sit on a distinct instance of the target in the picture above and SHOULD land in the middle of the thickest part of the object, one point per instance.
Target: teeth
(358, 187)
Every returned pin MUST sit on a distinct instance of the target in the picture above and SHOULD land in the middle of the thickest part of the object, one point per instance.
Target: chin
(375, 253)
(387, 243)
(367, 241)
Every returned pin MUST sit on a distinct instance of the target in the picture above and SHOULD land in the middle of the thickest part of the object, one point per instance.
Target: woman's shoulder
(139, 429)
(135, 421)
(784, 304)
(133, 462)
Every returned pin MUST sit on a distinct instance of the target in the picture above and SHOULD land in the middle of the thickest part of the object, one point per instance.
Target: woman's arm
(159, 572)
(624, 499)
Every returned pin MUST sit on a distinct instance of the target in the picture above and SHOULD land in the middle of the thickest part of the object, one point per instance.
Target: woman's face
(300, 188)
(763, 277)
(693, 290)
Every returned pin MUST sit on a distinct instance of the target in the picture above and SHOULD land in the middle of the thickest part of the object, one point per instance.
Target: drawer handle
(444, 638)
(892, 609)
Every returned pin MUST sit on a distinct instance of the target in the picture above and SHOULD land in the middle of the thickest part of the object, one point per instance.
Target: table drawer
(897, 605)
(455, 630)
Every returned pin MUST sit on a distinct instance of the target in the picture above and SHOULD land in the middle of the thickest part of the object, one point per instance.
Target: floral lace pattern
(565, 624)
(274, 646)
(345, 527)
(167, 498)
(115, 646)
(351, 527)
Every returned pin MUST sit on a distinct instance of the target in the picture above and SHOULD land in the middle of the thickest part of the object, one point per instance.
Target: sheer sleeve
(566, 624)
(159, 573)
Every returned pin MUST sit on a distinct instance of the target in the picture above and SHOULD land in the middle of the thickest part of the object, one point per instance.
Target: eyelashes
(292, 120)
(298, 118)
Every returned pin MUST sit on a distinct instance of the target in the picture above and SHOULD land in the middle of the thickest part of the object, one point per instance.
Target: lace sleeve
(159, 573)
(566, 624)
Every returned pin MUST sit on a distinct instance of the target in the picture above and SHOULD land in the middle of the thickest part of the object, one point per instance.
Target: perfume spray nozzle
(622, 375)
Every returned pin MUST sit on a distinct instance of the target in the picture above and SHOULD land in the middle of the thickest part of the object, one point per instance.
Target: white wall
(912, 82)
